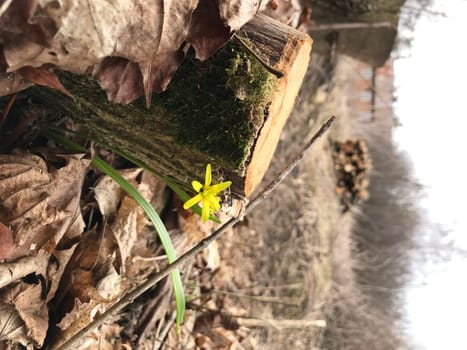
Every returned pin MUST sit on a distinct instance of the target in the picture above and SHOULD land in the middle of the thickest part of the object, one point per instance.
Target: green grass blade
(158, 224)
(150, 212)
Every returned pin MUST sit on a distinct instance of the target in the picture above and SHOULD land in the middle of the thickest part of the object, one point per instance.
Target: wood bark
(228, 111)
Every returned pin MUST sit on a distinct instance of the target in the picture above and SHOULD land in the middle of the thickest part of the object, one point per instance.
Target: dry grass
(286, 249)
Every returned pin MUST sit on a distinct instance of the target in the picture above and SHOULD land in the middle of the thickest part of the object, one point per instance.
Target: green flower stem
(160, 228)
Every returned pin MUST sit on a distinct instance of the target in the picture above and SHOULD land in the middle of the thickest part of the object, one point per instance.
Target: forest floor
(265, 284)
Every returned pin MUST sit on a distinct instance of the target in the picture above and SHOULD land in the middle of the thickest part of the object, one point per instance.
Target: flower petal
(214, 189)
(205, 211)
(208, 178)
(192, 201)
(214, 203)
(197, 186)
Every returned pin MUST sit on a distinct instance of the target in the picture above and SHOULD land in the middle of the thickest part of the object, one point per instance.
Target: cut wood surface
(228, 110)
(287, 51)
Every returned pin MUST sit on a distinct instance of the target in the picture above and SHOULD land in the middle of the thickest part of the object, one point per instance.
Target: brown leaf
(125, 227)
(207, 36)
(77, 319)
(18, 172)
(11, 325)
(158, 70)
(11, 83)
(33, 311)
(30, 307)
(55, 270)
(109, 194)
(109, 286)
(30, 300)
(120, 78)
(74, 315)
(6, 242)
(39, 206)
(45, 77)
(166, 65)
(22, 18)
(13, 271)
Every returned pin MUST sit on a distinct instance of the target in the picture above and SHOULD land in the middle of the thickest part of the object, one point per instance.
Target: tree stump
(228, 110)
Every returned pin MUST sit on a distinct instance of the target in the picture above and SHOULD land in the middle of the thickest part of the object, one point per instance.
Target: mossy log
(228, 110)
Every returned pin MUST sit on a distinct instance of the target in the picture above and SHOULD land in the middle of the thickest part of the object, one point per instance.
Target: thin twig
(265, 299)
(253, 321)
(153, 280)
(281, 324)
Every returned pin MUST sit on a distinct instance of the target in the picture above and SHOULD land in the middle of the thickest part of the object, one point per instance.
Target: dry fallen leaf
(11, 325)
(37, 205)
(11, 272)
(93, 292)
(45, 77)
(108, 193)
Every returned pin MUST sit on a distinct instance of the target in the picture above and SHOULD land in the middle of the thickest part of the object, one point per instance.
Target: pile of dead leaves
(131, 47)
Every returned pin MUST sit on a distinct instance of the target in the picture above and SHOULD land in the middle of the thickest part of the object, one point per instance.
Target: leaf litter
(131, 47)
(58, 273)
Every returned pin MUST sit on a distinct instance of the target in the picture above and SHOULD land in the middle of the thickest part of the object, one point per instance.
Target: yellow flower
(207, 195)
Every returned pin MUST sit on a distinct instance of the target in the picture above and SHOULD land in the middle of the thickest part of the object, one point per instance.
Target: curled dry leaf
(127, 216)
(207, 36)
(97, 294)
(133, 47)
(127, 222)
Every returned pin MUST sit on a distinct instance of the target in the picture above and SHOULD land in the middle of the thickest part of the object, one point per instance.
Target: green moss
(215, 107)
(219, 105)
